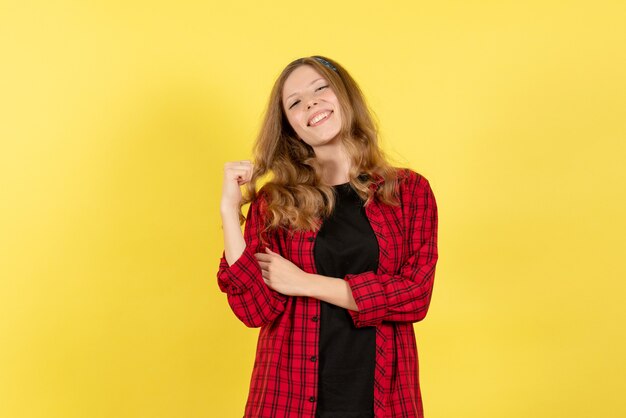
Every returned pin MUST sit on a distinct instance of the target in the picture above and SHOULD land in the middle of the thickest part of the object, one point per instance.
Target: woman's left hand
(282, 275)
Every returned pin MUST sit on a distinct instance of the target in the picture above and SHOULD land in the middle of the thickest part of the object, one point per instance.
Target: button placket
(308, 243)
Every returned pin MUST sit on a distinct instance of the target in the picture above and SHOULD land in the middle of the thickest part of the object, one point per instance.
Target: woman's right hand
(236, 174)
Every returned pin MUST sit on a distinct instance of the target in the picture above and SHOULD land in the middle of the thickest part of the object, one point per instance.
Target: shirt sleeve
(405, 296)
(250, 299)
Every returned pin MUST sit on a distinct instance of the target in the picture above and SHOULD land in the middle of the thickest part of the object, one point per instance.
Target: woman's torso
(345, 244)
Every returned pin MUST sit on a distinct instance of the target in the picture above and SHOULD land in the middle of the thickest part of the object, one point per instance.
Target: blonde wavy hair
(295, 197)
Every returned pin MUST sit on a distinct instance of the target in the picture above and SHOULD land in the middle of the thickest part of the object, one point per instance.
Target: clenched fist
(236, 174)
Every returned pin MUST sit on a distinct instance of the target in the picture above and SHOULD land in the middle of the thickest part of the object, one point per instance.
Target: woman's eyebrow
(312, 82)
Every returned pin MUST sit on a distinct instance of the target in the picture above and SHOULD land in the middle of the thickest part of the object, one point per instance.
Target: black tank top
(345, 244)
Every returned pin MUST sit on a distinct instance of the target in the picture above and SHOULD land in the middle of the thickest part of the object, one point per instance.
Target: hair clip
(325, 63)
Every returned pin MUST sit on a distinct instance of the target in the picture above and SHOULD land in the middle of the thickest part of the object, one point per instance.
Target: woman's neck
(335, 164)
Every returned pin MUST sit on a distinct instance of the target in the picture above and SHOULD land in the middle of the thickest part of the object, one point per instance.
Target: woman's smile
(320, 117)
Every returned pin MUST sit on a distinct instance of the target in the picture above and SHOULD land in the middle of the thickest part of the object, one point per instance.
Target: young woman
(337, 258)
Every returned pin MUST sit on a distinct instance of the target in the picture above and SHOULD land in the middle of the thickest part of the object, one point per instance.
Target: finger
(237, 173)
(242, 175)
(238, 163)
(250, 171)
(262, 257)
(246, 167)
(271, 253)
(249, 168)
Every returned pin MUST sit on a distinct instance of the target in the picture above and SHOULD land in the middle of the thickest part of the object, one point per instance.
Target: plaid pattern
(284, 378)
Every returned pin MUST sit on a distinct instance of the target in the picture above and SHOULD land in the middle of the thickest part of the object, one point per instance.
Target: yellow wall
(117, 116)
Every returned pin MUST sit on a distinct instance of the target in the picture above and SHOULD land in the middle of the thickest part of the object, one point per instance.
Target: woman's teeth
(319, 118)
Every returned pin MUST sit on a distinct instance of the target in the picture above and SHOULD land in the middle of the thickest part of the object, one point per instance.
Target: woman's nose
(312, 103)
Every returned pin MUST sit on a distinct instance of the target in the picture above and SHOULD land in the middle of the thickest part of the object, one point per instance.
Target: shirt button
(310, 239)
(315, 318)
(312, 399)
(313, 359)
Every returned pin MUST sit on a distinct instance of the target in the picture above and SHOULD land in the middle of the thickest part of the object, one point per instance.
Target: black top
(345, 244)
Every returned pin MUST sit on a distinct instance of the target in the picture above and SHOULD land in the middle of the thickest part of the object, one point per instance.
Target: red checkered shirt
(284, 379)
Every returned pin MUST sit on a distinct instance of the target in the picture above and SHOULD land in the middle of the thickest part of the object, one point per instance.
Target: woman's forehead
(299, 79)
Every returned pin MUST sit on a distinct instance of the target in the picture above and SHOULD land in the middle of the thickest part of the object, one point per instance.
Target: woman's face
(311, 106)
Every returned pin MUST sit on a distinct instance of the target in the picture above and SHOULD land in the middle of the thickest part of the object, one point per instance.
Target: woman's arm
(234, 243)
(239, 274)
(236, 174)
(285, 277)
(404, 296)
(332, 290)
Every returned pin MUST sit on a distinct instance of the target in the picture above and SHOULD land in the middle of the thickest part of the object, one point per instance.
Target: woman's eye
(294, 103)
(320, 88)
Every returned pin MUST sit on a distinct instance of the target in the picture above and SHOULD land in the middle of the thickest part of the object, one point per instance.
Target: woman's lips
(325, 113)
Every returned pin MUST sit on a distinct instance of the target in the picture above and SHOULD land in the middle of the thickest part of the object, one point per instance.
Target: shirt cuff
(238, 277)
(370, 298)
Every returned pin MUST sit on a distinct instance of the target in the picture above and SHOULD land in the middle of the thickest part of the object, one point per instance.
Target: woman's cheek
(298, 121)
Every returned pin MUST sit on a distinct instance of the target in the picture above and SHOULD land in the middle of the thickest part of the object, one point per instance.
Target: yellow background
(116, 118)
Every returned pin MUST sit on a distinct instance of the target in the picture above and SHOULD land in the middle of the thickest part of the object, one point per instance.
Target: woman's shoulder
(259, 205)
(409, 178)
(413, 187)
